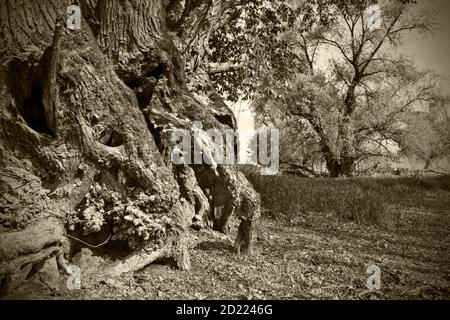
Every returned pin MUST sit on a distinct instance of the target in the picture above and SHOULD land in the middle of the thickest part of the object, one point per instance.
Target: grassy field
(315, 240)
(364, 200)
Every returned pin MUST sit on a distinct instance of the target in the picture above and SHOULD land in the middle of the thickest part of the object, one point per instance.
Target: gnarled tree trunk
(86, 121)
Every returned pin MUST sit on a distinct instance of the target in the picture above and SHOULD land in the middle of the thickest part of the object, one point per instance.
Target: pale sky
(432, 51)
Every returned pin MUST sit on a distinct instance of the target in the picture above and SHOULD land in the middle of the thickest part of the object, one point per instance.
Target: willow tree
(356, 108)
(86, 120)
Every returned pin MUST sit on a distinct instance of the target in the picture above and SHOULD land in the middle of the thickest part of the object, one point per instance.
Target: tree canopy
(362, 102)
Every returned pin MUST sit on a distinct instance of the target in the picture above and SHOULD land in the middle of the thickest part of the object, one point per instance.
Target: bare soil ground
(311, 256)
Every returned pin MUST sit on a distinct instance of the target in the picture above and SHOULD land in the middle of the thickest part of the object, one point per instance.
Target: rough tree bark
(86, 121)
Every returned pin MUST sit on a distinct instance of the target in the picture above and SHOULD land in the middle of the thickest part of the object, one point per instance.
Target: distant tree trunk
(427, 165)
(86, 121)
(339, 166)
(345, 134)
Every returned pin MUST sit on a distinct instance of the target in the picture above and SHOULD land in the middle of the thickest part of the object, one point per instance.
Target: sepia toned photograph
(225, 150)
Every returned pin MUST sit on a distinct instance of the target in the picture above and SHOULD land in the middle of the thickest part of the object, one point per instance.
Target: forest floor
(312, 257)
(309, 255)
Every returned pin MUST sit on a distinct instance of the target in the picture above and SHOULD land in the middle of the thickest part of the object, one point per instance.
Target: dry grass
(364, 200)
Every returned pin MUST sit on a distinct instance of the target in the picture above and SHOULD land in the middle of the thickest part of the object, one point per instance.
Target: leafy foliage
(428, 136)
(252, 41)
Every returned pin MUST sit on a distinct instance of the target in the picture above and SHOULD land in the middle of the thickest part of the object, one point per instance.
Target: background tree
(357, 106)
(428, 134)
